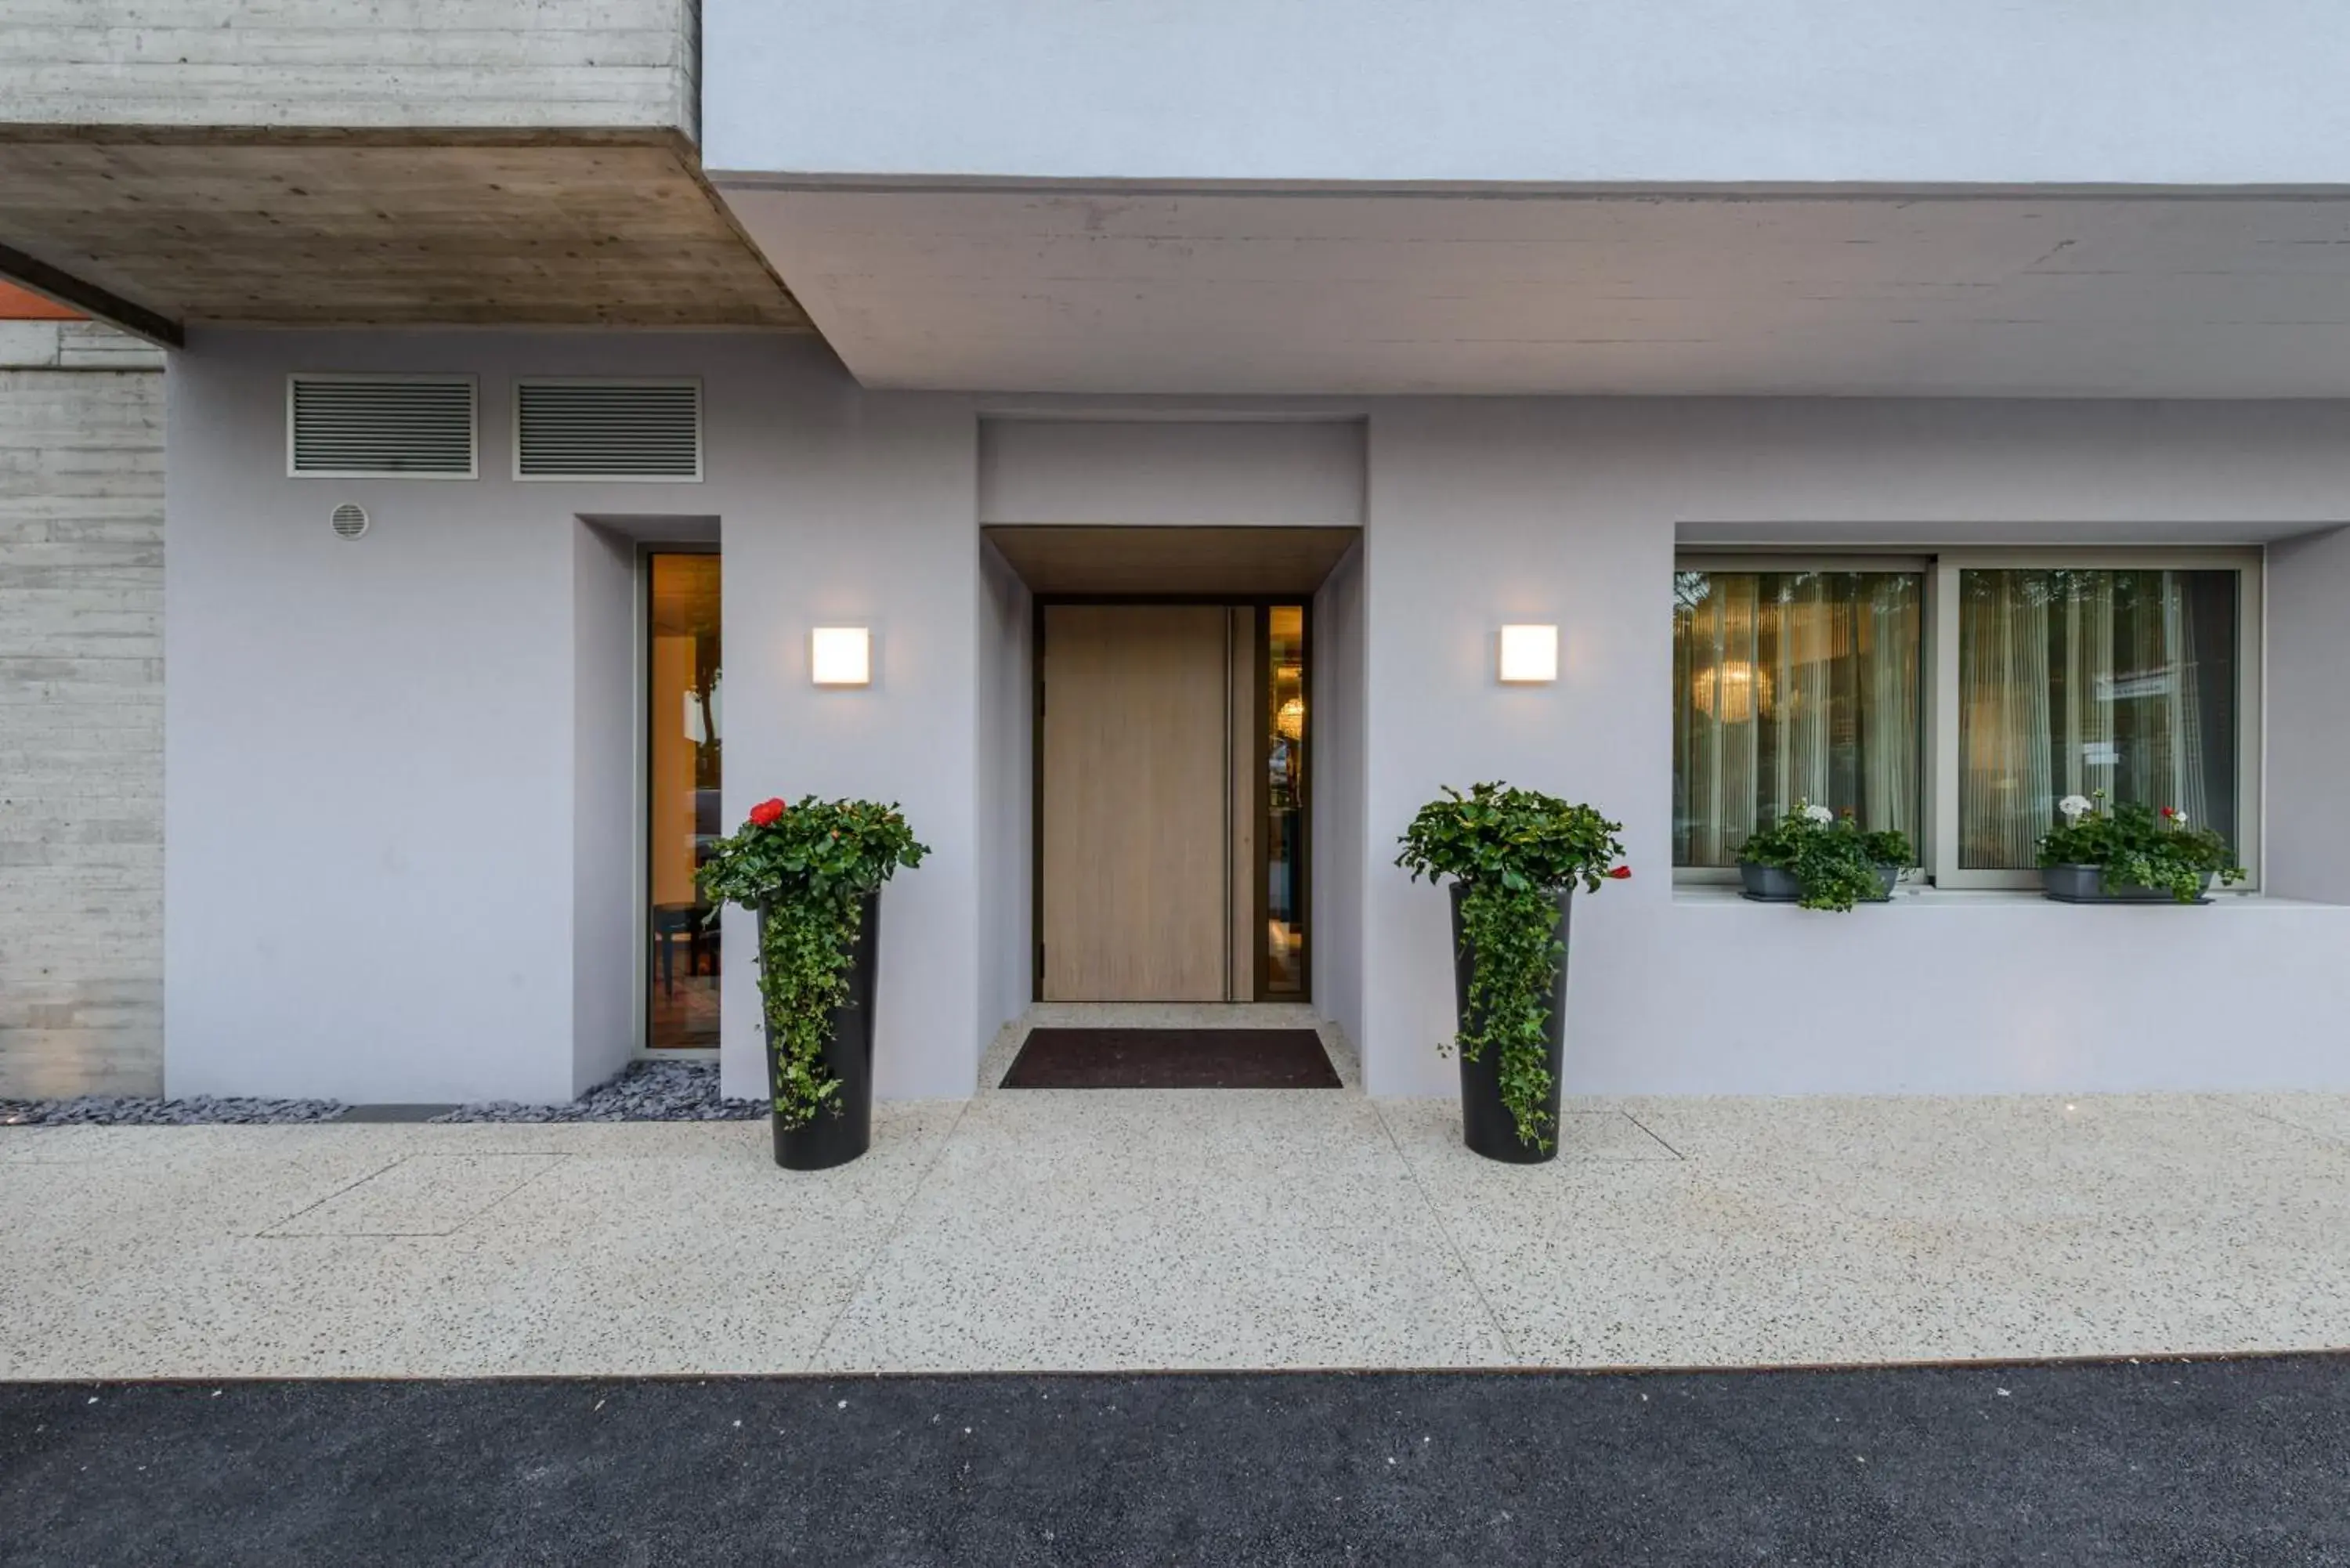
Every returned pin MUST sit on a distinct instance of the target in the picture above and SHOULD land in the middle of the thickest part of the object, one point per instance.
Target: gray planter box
(1772, 885)
(2087, 885)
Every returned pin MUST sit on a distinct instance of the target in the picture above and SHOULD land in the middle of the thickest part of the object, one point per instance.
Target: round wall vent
(350, 521)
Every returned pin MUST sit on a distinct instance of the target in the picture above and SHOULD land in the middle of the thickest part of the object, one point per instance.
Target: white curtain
(2071, 682)
(1788, 687)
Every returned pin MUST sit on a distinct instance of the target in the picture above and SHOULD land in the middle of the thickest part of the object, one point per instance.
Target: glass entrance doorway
(682, 732)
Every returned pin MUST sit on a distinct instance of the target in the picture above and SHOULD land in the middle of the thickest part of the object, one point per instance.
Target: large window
(1793, 687)
(2071, 681)
(1960, 698)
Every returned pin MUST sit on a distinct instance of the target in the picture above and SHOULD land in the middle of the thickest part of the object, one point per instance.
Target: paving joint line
(275, 1230)
(1500, 1329)
(2233, 1103)
(554, 1157)
(889, 1236)
(265, 1233)
(1653, 1133)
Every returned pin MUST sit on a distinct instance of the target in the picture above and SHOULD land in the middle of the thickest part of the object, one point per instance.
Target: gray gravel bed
(143, 1111)
(646, 1092)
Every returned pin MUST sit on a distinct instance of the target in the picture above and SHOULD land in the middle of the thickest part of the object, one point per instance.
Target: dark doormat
(1171, 1059)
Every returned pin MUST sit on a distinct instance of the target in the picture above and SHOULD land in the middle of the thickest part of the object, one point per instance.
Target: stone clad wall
(360, 64)
(82, 711)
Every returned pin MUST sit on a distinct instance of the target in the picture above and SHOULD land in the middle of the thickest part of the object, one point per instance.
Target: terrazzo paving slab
(1152, 1229)
(300, 1306)
(2324, 1115)
(1101, 1230)
(1802, 1231)
(646, 1248)
(19, 1143)
(709, 1262)
(166, 1194)
(423, 1195)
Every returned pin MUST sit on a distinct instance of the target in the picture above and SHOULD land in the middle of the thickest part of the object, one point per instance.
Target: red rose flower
(1621, 873)
(766, 813)
(2170, 811)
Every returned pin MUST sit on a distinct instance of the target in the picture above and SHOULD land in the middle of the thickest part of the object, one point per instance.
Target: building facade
(1160, 419)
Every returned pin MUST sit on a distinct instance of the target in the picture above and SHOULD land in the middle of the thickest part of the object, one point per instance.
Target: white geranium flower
(2178, 819)
(2075, 806)
(1819, 814)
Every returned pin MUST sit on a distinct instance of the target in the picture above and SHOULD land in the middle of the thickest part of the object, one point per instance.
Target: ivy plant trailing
(1834, 863)
(807, 868)
(2136, 846)
(1512, 851)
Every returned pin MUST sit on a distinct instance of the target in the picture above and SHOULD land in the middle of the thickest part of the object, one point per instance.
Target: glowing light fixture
(1289, 719)
(1529, 654)
(1730, 691)
(841, 655)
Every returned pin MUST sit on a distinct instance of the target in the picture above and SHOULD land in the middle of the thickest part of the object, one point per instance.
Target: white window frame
(1938, 845)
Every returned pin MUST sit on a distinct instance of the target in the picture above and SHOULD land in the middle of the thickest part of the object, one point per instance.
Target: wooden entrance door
(1137, 789)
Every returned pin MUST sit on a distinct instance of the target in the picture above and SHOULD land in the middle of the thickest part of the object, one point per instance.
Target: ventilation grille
(607, 429)
(349, 427)
(350, 521)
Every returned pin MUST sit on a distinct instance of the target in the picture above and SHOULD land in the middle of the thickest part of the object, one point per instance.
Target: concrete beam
(307, 227)
(49, 283)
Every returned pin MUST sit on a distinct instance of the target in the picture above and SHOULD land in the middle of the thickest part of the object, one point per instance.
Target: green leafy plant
(1512, 851)
(807, 868)
(1834, 863)
(2137, 847)
(1888, 846)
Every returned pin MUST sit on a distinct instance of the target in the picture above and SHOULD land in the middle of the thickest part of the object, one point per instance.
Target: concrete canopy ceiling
(1348, 290)
(294, 228)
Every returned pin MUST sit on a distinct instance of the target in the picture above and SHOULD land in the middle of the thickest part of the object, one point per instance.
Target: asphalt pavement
(2207, 1463)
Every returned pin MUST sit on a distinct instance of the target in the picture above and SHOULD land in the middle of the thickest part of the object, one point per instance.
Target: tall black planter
(844, 1129)
(1486, 1125)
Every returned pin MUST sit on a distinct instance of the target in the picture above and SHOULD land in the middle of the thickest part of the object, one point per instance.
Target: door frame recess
(1301, 874)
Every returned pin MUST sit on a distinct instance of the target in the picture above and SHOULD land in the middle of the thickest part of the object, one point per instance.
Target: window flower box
(2130, 854)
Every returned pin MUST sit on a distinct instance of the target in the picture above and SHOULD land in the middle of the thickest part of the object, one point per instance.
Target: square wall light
(841, 655)
(1529, 654)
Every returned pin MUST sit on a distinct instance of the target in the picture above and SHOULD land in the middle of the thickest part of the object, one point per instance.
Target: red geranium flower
(766, 812)
(1621, 873)
(2170, 811)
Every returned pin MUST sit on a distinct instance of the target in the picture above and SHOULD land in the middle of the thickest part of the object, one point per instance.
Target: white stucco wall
(1340, 845)
(374, 807)
(1708, 91)
(2308, 774)
(1176, 469)
(606, 845)
(1006, 734)
(845, 510)
(380, 817)
(1568, 512)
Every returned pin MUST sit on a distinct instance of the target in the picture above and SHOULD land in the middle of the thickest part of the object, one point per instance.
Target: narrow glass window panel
(684, 731)
(1284, 797)
(2074, 682)
(1794, 686)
